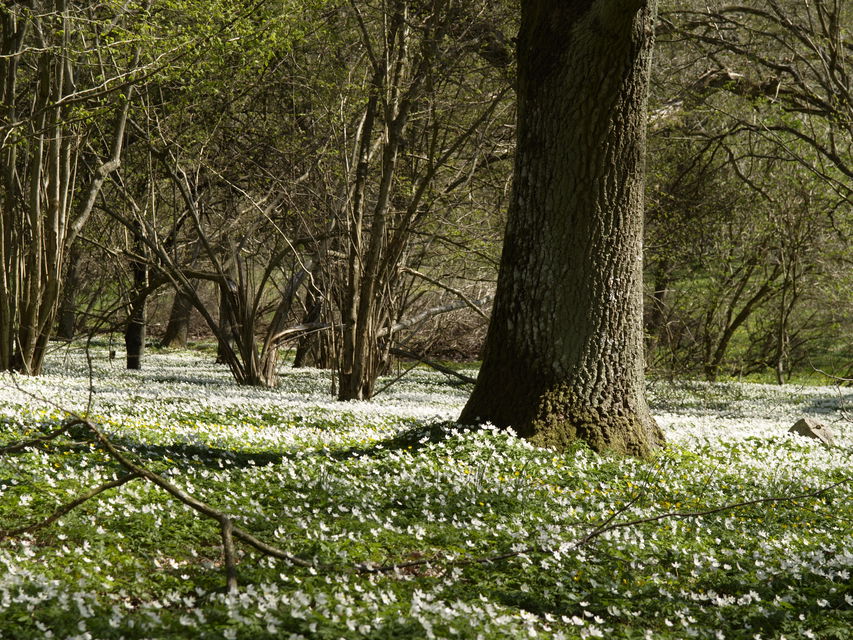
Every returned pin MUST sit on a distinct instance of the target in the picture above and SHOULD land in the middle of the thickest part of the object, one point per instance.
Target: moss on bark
(562, 418)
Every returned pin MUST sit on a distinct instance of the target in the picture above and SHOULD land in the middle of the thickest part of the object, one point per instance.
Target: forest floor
(736, 530)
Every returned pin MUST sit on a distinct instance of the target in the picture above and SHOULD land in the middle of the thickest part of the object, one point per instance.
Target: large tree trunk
(564, 353)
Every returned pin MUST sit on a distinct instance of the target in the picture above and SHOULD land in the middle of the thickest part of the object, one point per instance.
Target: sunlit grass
(391, 481)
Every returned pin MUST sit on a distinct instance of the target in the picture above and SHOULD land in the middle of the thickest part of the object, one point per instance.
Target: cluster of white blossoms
(486, 527)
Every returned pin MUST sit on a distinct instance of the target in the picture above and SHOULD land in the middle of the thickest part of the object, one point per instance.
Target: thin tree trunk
(311, 350)
(177, 329)
(227, 328)
(713, 365)
(788, 301)
(564, 353)
(656, 315)
(134, 332)
(41, 213)
(68, 307)
(272, 340)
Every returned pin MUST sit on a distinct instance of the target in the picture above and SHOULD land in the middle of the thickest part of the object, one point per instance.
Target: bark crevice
(564, 354)
(562, 418)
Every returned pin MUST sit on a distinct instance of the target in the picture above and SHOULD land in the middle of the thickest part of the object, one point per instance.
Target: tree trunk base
(562, 419)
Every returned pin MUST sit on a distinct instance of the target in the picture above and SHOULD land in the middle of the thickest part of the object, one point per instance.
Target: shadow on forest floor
(412, 438)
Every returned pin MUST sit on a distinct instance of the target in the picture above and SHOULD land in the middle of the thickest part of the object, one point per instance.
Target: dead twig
(433, 365)
(68, 507)
(470, 303)
(192, 502)
(832, 377)
(605, 527)
(19, 446)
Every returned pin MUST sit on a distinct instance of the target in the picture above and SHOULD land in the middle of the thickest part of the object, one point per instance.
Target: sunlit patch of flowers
(391, 481)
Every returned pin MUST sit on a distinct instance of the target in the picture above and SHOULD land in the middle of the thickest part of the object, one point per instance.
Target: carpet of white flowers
(392, 481)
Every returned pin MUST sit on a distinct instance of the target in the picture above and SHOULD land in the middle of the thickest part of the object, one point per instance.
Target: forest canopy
(333, 177)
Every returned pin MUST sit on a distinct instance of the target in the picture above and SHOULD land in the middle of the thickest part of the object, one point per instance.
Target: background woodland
(332, 177)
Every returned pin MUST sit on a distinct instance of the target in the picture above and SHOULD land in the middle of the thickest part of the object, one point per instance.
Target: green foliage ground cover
(371, 484)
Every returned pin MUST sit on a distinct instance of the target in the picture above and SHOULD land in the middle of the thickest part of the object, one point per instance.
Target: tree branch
(18, 446)
(434, 311)
(229, 531)
(435, 365)
(607, 526)
(70, 506)
(455, 292)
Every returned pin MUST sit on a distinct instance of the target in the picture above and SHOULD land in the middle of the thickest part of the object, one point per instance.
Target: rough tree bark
(137, 310)
(177, 329)
(564, 353)
(67, 325)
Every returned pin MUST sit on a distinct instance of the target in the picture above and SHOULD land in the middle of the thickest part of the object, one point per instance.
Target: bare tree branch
(68, 507)
(459, 294)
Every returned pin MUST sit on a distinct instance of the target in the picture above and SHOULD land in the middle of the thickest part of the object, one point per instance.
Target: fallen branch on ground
(20, 446)
(431, 363)
(68, 507)
(607, 526)
(229, 531)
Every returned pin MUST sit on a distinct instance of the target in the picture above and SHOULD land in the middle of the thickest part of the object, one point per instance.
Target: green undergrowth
(492, 533)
